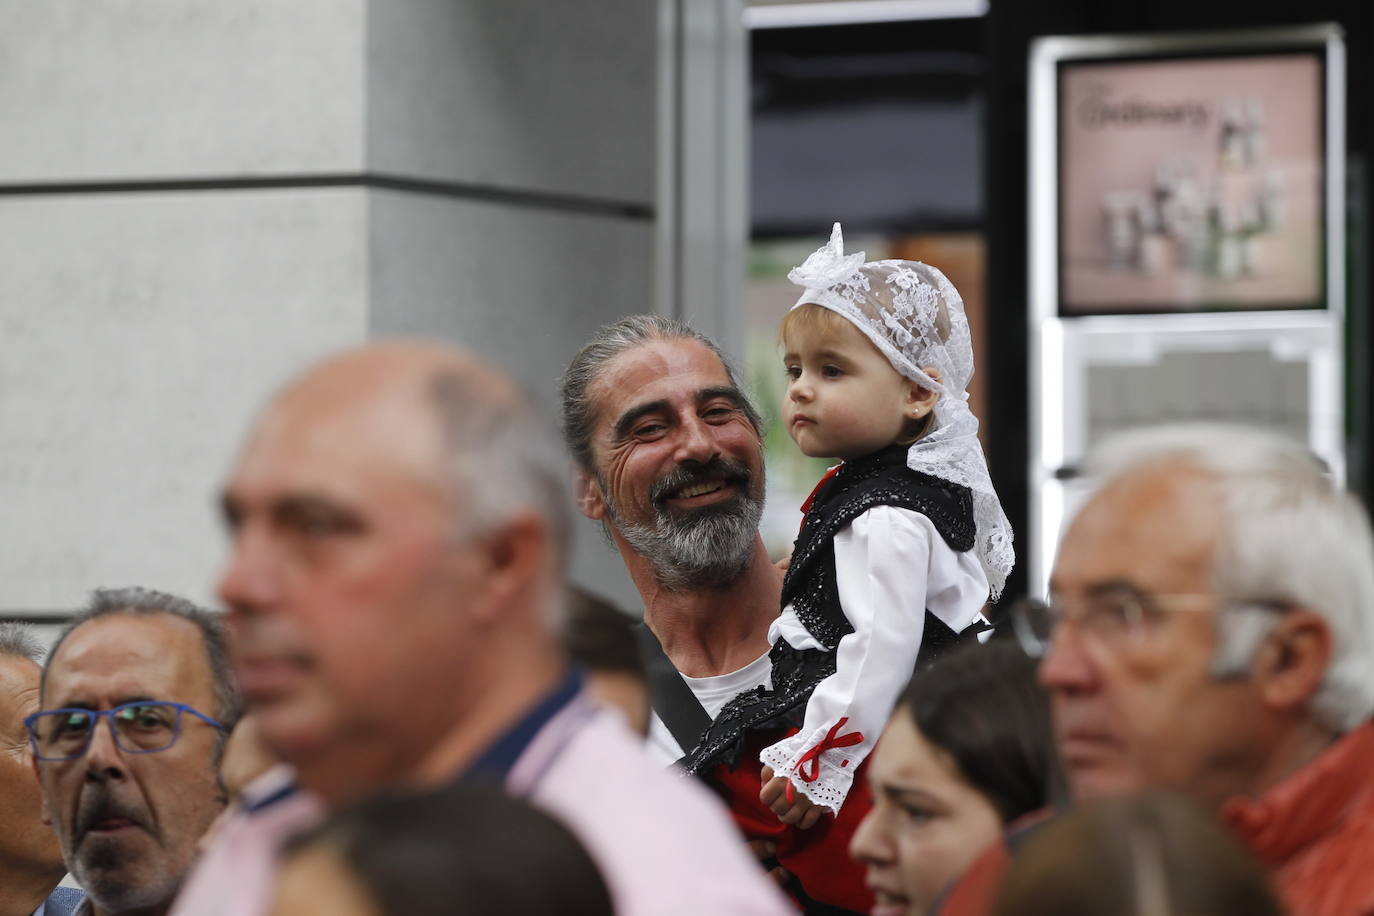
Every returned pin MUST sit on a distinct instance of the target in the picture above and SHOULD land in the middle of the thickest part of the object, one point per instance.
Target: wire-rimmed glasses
(1116, 618)
(140, 727)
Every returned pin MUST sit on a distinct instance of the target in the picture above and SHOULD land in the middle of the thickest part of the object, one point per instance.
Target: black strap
(669, 694)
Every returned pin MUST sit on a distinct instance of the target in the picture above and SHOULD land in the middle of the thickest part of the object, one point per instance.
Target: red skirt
(819, 856)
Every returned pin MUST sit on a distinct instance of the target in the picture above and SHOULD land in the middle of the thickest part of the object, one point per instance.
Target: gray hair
(1288, 534)
(503, 458)
(144, 602)
(579, 414)
(18, 641)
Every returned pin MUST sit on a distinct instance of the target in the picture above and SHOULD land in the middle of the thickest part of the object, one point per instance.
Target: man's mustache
(99, 805)
(723, 470)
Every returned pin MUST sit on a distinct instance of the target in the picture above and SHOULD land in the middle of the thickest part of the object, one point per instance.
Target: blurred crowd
(405, 709)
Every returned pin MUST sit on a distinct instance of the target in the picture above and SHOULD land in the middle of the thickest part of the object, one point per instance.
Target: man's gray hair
(18, 641)
(1288, 534)
(503, 458)
(579, 414)
(143, 602)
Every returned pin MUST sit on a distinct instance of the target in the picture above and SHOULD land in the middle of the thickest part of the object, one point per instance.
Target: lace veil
(915, 317)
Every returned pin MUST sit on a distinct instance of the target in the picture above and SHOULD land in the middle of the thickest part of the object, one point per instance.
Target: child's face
(844, 399)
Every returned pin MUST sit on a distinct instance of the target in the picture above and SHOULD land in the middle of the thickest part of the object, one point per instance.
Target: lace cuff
(820, 765)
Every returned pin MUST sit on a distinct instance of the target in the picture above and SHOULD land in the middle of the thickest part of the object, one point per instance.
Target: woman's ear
(587, 491)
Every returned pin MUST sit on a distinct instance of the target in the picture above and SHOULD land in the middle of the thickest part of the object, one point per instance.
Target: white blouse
(891, 565)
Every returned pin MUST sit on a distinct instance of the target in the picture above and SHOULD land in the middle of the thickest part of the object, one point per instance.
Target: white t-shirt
(713, 693)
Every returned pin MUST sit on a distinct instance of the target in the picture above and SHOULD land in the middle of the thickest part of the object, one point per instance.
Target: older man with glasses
(1210, 631)
(135, 703)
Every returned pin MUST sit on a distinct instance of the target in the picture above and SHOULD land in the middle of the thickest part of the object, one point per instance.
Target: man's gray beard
(112, 880)
(706, 549)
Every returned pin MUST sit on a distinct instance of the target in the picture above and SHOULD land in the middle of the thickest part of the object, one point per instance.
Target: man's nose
(104, 758)
(696, 442)
(1066, 664)
(251, 581)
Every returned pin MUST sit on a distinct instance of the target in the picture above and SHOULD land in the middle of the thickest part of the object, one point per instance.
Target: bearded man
(670, 459)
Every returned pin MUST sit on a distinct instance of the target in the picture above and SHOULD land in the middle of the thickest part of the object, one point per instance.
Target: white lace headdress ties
(915, 317)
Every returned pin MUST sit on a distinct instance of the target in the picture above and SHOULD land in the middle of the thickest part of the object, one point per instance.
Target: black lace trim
(881, 479)
(798, 671)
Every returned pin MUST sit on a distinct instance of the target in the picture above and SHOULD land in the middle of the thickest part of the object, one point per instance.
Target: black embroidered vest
(880, 479)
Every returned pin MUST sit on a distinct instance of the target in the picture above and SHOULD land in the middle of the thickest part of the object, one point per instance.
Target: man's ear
(1293, 662)
(510, 557)
(587, 491)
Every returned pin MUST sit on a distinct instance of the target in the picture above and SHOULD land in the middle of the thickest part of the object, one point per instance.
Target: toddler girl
(902, 543)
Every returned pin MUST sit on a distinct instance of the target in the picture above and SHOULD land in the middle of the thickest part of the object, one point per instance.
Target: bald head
(395, 373)
(399, 526)
(440, 416)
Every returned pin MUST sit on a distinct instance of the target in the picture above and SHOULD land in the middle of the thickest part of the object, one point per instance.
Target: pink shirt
(664, 843)
(237, 874)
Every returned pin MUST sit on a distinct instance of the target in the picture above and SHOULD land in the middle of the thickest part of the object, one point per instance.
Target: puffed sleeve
(886, 560)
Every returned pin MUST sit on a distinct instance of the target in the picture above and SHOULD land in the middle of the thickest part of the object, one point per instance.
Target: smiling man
(670, 460)
(136, 700)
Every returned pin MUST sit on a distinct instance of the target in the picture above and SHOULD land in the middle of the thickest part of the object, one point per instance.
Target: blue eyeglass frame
(98, 714)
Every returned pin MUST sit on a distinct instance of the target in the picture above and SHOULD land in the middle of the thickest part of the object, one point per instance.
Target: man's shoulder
(613, 795)
(604, 742)
(66, 901)
(1335, 873)
(1316, 829)
(606, 770)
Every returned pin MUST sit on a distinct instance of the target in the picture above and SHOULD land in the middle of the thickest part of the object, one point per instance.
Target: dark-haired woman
(967, 751)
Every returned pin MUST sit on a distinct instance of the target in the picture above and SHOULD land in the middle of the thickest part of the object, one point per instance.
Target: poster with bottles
(1191, 183)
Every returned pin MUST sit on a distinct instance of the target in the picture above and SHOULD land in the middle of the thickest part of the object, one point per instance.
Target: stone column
(199, 197)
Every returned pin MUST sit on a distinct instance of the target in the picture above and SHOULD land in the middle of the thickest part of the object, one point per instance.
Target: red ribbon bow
(812, 758)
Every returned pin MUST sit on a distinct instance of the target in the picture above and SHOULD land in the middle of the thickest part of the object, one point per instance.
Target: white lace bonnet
(915, 317)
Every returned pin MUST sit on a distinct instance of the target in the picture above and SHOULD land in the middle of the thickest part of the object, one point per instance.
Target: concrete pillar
(198, 197)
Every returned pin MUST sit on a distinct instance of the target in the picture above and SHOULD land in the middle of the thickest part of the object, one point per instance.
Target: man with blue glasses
(136, 702)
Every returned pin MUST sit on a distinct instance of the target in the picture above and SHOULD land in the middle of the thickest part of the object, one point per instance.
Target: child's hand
(800, 811)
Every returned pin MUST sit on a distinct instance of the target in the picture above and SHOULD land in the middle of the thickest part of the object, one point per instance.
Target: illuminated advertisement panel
(1192, 183)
